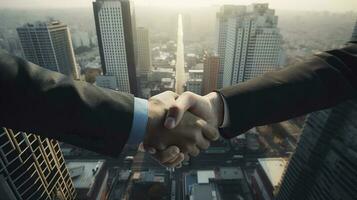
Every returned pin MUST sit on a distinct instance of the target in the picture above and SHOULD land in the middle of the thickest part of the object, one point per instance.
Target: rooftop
(273, 168)
(87, 177)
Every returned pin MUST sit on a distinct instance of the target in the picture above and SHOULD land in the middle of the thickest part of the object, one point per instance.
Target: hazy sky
(316, 5)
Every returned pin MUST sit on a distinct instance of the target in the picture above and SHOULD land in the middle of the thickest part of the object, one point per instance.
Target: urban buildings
(194, 82)
(32, 167)
(354, 33)
(115, 33)
(249, 43)
(324, 163)
(226, 12)
(210, 73)
(267, 176)
(143, 51)
(49, 45)
(223, 183)
(89, 178)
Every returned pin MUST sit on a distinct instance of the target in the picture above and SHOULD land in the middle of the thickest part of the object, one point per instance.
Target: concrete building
(32, 167)
(49, 45)
(225, 183)
(252, 43)
(354, 33)
(323, 166)
(210, 74)
(144, 63)
(267, 177)
(89, 178)
(107, 82)
(194, 82)
(116, 36)
(226, 12)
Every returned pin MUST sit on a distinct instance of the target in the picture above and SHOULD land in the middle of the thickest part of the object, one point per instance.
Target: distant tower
(49, 45)
(324, 165)
(116, 36)
(180, 59)
(210, 71)
(252, 44)
(354, 33)
(143, 51)
(32, 167)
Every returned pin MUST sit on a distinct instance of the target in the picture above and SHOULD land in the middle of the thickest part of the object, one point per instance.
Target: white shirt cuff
(140, 120)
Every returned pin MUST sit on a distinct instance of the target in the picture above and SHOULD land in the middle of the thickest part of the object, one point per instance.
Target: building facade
(251, 46)
(32, 167)
(324, 163)
(143, 51)
(49, 45)
(115, 33)
(210, 72)
(194, 82)
(226, 12)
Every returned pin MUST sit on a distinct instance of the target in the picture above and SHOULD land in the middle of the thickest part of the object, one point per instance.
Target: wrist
(217, 106)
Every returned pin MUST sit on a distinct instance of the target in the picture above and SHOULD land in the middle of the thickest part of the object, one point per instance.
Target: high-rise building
(90, 178)
(226, 12)
(210, 71)
(180, 59)
(32, 167)
(324, 163)
(116, 37)
(252, 43)
(266, 178)
(354, 33)
(194, 82)
(143, 51)
(49, 45)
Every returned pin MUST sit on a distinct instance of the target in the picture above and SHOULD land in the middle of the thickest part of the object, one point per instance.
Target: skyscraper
(49, 45)
(32, 167)
(226, 12)
(210, 71)
(115, 33)
(180, 59)
(143, 51)
(354, 33)
(252, 44)
(324, 163)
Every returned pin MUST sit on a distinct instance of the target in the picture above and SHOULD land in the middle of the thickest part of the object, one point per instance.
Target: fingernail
(170, 122)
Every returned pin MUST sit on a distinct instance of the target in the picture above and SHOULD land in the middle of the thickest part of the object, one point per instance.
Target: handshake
(181, 126)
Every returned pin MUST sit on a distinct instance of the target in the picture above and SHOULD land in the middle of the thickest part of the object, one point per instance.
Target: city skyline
(306, 5)
(116, 53)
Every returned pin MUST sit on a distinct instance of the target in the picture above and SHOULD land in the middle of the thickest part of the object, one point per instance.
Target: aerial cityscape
(143, 50)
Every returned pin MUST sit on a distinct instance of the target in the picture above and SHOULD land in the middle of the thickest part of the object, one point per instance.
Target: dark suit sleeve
(50, 104)
(320, 82)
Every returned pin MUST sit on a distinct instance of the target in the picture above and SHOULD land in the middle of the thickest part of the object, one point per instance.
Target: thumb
(177, 110)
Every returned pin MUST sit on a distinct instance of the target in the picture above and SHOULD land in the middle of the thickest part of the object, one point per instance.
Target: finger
(203, 143)
(176, 111)
(176, 162)
(208, 131)
(194, 151)
(168, 154)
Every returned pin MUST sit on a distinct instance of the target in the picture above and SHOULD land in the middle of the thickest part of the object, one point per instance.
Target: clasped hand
(181, 126)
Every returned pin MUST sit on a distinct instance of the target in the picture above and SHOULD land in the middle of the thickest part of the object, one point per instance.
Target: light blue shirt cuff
(140, 120)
